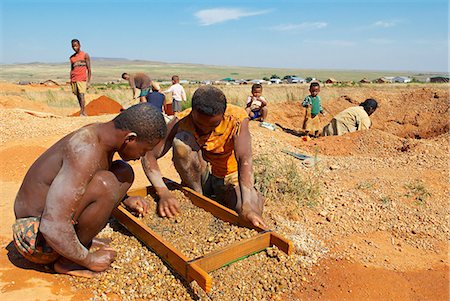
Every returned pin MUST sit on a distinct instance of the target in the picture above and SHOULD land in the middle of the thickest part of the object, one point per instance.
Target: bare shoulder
(84, 143)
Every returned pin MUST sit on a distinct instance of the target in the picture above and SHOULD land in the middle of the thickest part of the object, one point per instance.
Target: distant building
(49, 82)
(364, 81)
(331, 81)
(439, 79)
(381, 80)
(401, 79)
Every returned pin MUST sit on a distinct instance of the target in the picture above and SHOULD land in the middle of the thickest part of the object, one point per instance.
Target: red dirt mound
(101, 106)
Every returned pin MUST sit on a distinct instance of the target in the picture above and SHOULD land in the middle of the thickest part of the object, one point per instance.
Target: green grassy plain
(107, 70)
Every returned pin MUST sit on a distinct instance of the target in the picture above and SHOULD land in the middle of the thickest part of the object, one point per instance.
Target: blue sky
(315, 34)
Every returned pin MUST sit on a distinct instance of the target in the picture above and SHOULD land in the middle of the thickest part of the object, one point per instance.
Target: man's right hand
(101, 259)
(168, 205)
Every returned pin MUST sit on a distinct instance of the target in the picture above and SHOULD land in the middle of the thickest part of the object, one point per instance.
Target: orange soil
(100, 106)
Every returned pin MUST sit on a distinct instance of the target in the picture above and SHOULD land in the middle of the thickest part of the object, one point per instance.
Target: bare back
(32, 195)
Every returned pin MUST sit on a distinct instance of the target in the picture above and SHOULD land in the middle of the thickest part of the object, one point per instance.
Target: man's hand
(254, 218)
(168, 205)
(101, 259)
(137, 204)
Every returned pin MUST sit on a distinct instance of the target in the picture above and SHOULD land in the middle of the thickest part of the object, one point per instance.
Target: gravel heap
(138, 273)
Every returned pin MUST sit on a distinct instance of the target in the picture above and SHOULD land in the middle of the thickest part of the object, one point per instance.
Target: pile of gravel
(138, 273)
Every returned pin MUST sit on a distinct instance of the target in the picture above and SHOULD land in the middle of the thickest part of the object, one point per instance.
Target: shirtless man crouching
(69, 192)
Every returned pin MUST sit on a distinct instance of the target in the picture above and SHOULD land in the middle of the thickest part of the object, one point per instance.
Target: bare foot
(83, 114)
(65, 266)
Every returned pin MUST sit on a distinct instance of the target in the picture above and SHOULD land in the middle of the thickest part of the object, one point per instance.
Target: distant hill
(106, 69)
(113, 59)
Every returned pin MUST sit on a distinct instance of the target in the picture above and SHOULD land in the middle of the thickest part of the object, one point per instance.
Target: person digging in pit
(351, 119)
(69, 192)
(212, 154)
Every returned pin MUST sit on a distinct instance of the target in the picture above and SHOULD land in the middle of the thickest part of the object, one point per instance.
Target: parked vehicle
(292, 79)
(275, 81)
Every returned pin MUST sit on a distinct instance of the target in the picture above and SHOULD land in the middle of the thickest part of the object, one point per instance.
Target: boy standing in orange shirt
(80, 64)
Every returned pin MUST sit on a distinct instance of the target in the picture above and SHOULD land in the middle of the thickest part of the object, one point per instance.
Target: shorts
(79, 87)
(144, 92)
(218, 188)
(256, 114)
(312, 122)
(30, 243)
(176, 105)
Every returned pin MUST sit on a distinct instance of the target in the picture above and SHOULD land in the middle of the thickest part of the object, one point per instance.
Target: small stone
(323, 213)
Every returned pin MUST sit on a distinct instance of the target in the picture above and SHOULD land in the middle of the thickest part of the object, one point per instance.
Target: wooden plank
(203, 279)
(143, 192)
(219, 258)
(282, 243)
(150, 238)
(211, 206)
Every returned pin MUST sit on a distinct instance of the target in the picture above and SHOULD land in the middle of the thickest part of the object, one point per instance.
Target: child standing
(80, 73)
(178, 93)
(313, 108)
(256, 106)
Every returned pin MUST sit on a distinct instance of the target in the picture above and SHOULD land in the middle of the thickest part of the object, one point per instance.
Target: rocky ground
(369, 220)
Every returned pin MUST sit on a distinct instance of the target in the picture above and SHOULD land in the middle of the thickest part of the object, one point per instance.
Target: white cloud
(385, 24)
(218, 15)
(300, 26)
(330, 42)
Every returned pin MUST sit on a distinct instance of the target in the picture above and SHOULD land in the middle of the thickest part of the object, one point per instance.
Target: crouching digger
(69, 192)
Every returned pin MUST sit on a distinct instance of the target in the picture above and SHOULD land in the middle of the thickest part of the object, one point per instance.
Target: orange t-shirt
(218, 146)
(78, 62)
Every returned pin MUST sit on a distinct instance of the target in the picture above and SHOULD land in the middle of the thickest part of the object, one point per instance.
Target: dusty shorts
(176, 105)
(144, 92)
(79, 87)
(30, 243)
(312, 122)
(218, 188)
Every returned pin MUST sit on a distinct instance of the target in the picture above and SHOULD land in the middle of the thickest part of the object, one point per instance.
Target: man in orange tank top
(212, 153)
(80, 64)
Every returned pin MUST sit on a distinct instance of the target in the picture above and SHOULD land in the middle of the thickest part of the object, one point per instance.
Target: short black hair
(75, 41)
(123, 74)
(209, 100)
(369, 103)
(314, 84)
(256, 86)
(143, 119)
